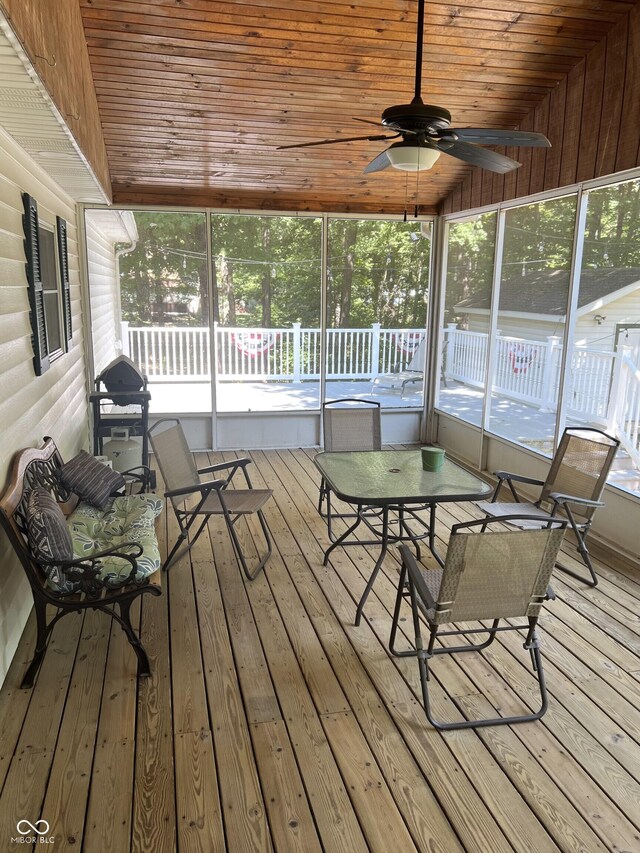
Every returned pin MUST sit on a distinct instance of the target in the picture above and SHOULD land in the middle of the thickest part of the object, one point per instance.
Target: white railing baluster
(153, 352)
(601, 387)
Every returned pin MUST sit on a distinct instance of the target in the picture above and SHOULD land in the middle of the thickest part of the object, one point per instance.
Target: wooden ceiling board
(195, 96)
(332, 37)
(201, 69)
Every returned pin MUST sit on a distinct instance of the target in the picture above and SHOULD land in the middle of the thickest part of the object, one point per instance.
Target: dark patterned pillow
(48, 534)
(90, 480)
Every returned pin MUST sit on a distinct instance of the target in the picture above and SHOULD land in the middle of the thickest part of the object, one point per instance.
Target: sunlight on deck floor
(271, 722)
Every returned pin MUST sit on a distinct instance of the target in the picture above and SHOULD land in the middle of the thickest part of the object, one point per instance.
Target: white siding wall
(517, 327)
(103, 293)
(31, 407)
(532, 330)
(587, 332)
(624, 310)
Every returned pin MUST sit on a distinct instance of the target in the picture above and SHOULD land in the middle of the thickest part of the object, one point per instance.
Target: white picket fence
(602, 387)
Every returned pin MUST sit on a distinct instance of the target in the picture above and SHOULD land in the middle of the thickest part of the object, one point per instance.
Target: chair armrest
(85, 572)
(221, 466)
(140, 474)
(131, 472)
(416, 578)
(196, 487)
(518, 478)
(559, 498)
(509, 478)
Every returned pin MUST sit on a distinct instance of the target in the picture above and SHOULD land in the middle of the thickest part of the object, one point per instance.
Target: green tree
(470, 258)
(273, 263)
(378, 271)
(168, 265)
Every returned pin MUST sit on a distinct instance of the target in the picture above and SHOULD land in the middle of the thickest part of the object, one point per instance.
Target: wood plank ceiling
(196, 95)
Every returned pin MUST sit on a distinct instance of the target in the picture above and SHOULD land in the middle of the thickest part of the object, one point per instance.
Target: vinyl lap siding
(31, 407)
(103, 290)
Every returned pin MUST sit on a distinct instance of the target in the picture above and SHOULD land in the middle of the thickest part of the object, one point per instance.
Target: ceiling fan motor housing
(416, 118)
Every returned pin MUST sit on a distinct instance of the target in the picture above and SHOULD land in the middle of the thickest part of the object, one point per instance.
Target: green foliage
(378, 272)
(267, 271)
(539, 237)
(470, 258)
(168, 265)
(267, 268)
(612, 232)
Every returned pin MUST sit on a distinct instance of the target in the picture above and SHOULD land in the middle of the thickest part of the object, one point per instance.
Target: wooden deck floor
(271, 722)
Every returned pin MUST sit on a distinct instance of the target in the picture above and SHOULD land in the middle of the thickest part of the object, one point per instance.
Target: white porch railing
(256, 354)
(602, 387)
(625, 405)
(163, 352)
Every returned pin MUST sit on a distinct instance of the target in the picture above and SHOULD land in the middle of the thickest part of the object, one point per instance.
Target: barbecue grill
(121, 399)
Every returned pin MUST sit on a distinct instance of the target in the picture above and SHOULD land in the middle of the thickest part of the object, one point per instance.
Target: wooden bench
(36, 467)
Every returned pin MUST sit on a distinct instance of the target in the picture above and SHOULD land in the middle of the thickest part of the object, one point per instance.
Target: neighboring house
(534, 306)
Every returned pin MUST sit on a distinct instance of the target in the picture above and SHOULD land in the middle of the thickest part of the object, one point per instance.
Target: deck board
(270, 722)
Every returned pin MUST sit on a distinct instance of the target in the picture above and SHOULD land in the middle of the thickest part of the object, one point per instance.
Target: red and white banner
(521, 357)
(254, 343)
(409, 341)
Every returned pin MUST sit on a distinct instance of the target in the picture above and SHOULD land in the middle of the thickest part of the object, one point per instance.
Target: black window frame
(42, 354)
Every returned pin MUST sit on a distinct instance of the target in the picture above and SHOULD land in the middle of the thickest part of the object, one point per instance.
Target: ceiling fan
(425, 132)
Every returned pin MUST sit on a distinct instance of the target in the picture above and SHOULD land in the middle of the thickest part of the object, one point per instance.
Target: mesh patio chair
(488, 576)
(355, 426)
(194, 499)
(573, 487)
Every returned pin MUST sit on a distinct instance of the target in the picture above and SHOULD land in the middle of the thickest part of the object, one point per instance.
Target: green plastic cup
(432, 458)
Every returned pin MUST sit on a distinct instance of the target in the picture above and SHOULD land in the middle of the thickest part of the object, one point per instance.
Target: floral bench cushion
(130, 518)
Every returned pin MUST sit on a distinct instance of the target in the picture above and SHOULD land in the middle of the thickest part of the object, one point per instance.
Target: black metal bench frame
(36, 467)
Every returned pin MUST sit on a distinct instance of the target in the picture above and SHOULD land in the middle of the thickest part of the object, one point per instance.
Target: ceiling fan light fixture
(412, 158)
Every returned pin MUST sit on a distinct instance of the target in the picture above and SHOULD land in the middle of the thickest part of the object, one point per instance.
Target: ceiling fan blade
(333, 141)
(487, 136)
(378, 163)
(367, 121)
(477, 156)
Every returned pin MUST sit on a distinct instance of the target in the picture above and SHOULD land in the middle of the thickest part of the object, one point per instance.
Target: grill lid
(122, 375)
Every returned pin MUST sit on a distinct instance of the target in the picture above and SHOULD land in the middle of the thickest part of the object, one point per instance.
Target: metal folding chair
(348, 424)
(487, 576)
(195, 499)
(573, 487)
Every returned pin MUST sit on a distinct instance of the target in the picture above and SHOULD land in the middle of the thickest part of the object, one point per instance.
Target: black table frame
(402, 506)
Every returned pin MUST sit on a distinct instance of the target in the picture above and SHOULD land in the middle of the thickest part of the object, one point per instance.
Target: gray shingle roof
(546, 292)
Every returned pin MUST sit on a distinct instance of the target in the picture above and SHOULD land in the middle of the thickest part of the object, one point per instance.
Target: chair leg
(321, 495)
(250, 575)
(41, 643)
(144, 668)
(328, 500)
(184, 532)
(402, 594)
(582, 549)
(424, 656)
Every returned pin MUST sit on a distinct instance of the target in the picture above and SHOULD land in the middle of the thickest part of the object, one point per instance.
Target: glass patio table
(394, 482)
